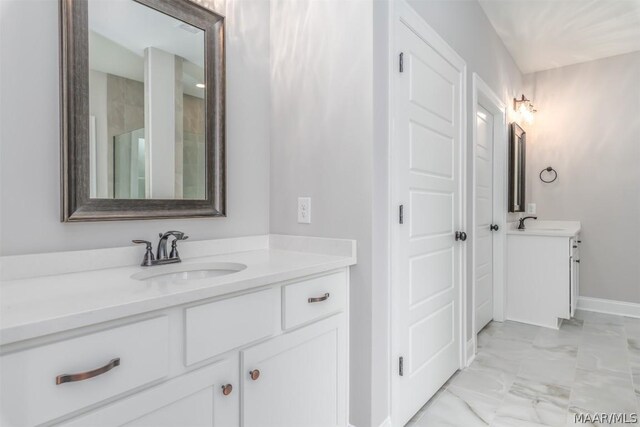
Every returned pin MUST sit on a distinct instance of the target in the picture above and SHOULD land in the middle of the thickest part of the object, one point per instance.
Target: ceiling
(121, 30)
(136, 27)
(544, 34)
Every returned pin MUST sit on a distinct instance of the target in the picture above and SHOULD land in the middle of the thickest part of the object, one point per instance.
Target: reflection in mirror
(146, 104)
(517, 164)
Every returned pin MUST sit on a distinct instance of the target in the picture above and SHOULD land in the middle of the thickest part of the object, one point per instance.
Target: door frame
(402, 13)
(482, 94)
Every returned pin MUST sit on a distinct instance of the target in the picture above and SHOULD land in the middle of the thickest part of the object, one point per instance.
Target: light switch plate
(304, 210)
(531, 208)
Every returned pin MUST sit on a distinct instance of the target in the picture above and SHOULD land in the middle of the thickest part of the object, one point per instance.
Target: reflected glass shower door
(129, 165)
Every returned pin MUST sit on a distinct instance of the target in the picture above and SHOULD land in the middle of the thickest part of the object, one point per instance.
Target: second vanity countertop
(546, 228)
(35, 306)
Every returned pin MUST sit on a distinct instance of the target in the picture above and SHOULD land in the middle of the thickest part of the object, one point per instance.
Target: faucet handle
(148, 258)
(174, 246)
(143, 242)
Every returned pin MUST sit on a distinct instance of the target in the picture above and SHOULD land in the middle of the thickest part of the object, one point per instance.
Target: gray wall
(321, 114)
(588, 128)
(329, 141)
(465, 27)
(29, 135)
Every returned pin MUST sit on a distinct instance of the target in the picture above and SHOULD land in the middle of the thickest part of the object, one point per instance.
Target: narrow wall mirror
(517, 166)
(142, 87)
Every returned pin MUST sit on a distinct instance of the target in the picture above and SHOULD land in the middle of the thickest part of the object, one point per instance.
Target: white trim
(385, 423)
(401, 11)
(482, 94)
(471, 350)
(608, 306)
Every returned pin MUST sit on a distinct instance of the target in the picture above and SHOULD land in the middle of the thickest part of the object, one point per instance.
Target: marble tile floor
(526, 376)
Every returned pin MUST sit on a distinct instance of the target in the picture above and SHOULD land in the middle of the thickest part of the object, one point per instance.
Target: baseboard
(385, 423)
(471, 351)
(609, 306)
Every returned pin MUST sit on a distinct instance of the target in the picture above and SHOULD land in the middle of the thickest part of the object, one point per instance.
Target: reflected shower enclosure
(146, 104)
(129, 165)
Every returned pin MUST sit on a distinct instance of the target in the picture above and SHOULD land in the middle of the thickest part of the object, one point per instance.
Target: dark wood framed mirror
(517, 168)
(142, 110)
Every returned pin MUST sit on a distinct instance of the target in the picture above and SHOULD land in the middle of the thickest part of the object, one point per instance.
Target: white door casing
(427, 179)
(483, 233)
(486, 102)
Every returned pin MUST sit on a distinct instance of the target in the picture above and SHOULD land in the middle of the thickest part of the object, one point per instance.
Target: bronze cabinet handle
(319, 299)
(255, 374)
(226, 389)
(70, 378)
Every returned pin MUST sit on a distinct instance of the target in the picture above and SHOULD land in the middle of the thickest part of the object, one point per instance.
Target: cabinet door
(196, 399)
(301, 380)
(574, 274)
(575, 280)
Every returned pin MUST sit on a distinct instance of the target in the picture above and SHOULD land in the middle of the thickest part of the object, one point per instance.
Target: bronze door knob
(255, 374)
(227, 389)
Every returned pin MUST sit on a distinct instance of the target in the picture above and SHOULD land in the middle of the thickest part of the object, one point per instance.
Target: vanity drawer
(314, 298)
(47, 382)
(220, 326)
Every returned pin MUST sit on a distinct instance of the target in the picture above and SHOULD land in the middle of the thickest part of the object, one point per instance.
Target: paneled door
(484, 217)
(428, 238)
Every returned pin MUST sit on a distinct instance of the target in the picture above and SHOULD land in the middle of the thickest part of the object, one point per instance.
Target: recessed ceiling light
(200, 85)
(188, 28)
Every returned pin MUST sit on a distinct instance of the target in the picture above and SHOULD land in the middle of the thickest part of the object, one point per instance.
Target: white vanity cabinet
(205, 397)
(189, 365)
(543, 273)
(46, 382)
(297, 379)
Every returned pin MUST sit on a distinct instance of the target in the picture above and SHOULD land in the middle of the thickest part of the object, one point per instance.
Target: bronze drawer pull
(255, 374)
(226, 389)
(319, 299)
(69, 378)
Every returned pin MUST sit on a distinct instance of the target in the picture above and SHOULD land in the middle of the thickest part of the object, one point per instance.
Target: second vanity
(543, 263)
(248, 331)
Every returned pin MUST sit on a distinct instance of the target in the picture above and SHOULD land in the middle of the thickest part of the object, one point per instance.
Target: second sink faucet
(161, 255)
(521, 225)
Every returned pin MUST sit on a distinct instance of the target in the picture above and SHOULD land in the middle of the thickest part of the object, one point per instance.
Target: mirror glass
(517, 163)
(146, 104)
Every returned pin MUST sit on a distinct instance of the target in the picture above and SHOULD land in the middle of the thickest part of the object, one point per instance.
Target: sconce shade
(524, 107)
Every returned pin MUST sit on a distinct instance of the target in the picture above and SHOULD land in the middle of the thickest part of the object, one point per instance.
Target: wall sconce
(525, 108)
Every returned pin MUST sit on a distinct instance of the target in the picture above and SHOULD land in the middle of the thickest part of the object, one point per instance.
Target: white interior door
(484, 217)
(427, 182)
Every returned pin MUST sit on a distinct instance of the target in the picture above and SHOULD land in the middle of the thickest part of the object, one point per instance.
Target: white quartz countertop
(546, 228)
(36, 306)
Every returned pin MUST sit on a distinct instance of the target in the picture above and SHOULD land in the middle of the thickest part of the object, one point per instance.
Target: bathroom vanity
(249, 331)
(543, 264)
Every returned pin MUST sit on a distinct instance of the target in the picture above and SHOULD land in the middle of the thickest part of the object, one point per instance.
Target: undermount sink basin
(181, 273)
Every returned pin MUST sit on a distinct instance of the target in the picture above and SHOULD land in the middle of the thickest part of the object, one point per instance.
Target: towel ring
(548, 169)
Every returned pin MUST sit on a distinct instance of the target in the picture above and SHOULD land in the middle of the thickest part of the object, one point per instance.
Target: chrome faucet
(161, 256)
(521, 225)
(162, 244)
